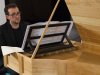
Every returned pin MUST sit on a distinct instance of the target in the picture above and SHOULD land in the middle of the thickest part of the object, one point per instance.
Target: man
(12, 32)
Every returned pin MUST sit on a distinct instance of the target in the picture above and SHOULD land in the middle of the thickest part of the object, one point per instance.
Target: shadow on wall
(74, 35)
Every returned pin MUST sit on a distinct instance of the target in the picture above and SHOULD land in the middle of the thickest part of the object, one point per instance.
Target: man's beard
(16, 22)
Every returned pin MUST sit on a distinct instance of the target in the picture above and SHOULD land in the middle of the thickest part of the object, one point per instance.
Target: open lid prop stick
(46, 27)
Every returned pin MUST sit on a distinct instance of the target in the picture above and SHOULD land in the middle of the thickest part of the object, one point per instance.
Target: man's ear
(7, 17)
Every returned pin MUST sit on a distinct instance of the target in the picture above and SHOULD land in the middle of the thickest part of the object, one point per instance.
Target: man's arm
(1, 40)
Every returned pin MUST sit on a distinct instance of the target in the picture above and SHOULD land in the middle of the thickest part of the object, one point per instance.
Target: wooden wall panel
(84, 8)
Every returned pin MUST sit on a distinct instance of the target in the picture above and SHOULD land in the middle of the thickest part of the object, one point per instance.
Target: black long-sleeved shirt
(10, 36)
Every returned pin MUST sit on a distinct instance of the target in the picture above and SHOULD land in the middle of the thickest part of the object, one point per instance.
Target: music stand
(55, 35)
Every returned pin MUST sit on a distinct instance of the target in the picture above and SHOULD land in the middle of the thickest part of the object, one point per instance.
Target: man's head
(12, 13)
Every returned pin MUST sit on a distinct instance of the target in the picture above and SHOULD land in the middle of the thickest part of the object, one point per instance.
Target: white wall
(2, 14)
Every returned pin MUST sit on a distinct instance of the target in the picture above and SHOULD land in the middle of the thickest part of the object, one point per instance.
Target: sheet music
(8, 50)
(47, 40)
(51, 30)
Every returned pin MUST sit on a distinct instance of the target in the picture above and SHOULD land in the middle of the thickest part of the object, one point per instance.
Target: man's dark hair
(12, 5)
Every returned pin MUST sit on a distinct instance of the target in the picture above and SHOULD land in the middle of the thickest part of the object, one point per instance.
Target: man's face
(14, 15)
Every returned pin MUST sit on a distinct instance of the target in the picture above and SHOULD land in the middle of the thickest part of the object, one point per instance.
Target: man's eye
(15, 14)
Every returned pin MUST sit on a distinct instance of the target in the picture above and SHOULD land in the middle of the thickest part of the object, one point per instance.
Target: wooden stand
(27, 66)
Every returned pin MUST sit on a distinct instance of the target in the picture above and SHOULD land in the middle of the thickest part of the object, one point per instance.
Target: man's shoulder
(25, 23)
(4, 25)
